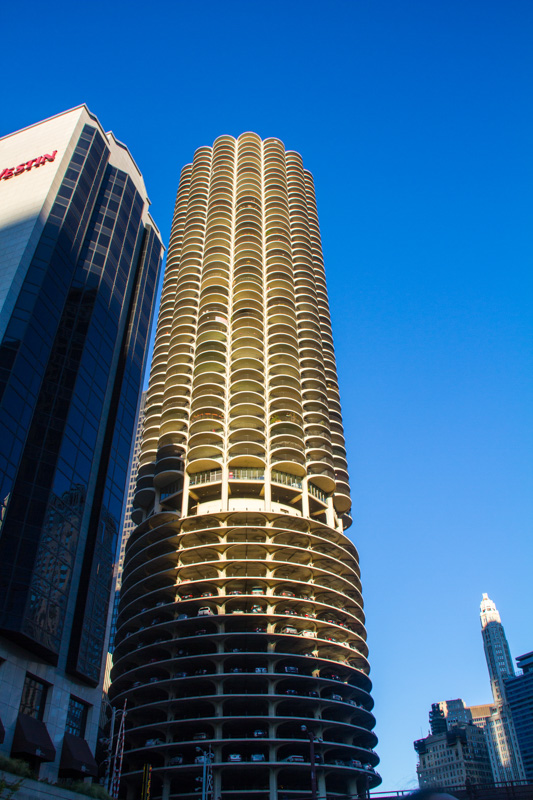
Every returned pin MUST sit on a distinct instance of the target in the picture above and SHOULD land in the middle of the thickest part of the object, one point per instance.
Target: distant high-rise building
(80, 256)
(496, 646)
(240, 635)
(519, 693)
(128, 526)
(437, 719)
(496, 718)
(455, 753)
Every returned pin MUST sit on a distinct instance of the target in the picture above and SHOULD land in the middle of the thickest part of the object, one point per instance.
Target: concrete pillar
(185, 498)
(305, 499)
(330, 513)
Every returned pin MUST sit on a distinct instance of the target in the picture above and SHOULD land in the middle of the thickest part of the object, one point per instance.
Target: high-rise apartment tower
(240, 637)
(79, 257)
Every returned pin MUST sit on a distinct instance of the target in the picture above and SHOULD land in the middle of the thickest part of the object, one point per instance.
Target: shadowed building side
(80, 257)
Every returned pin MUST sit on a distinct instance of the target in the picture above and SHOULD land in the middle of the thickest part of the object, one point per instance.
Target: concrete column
(185, 498)
(305, 499)
(330, 513)
(273, 785)
(217, 784)
(224, 489)
(268, 490)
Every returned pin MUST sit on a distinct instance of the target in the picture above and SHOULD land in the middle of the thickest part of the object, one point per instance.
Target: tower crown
(489, 612)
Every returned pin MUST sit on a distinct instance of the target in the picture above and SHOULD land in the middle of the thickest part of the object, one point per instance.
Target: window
(33, 698)
(76, 717)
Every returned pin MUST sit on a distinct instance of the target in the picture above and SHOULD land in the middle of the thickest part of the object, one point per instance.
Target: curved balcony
(246, 401)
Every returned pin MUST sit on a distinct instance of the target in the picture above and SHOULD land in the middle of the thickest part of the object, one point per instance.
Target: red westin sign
(33, 162)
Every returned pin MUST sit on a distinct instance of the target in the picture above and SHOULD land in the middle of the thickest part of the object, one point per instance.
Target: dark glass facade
(519, 693)
(71, 365)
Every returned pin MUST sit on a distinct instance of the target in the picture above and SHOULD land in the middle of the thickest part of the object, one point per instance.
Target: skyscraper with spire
(496, 718)
(496, 646)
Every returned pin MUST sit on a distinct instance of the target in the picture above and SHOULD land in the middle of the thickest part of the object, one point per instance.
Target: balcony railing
(210, 476)
(286, 479)
(243, 474)
(315, 491)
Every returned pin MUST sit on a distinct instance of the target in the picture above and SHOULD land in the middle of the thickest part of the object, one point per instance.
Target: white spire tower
(496, 647)
(504, 753)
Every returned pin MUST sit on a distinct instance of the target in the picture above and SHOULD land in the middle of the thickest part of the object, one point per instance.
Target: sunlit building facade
(455, 753)
(79, 256)
(240, 635)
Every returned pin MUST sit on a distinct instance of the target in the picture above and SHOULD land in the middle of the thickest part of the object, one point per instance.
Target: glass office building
(241, 647)
(519, 693)
(80, 257)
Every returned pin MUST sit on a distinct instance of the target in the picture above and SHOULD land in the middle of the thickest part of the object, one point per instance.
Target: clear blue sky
(415, 117)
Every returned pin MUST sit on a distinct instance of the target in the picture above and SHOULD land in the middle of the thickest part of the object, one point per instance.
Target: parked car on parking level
(207, 594)
(259, 733)
(260, 669)
(200, 672)
(176, 760)
(180, 675)
(355, 763)
(182, 616)
(291, 691)
(201, 632)
(236, 669)
(205, 611)
(257, 590)
(198, 736)
(256, 609)
(235, 591)
(289, 629)
(286, 593)
(313, 693)
(294, 759)
(257, 757)
(154, 679)
(336, 697)
(152, 742)
(234, 757)
(291, 670)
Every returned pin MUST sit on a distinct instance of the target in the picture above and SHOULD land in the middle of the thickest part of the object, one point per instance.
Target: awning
(2, 733)
(32, 739)
(76, 756)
